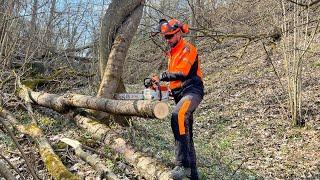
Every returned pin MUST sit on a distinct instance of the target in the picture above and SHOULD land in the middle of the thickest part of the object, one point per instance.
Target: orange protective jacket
(184, 72)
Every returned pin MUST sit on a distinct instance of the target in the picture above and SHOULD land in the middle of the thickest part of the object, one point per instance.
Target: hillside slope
(242, 129)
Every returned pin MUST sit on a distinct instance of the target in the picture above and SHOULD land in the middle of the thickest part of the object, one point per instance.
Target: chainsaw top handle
(150, 83)
(147, 82)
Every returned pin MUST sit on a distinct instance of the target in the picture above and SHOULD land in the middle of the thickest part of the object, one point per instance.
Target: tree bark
(50, 26)
(52, 162)
(33, 23)
(116, 13)
(145, 166)
(118, 27)
(193, 22)
(141, 108)
(114, 68)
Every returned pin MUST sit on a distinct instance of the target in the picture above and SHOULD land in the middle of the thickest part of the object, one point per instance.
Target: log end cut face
(161, 110)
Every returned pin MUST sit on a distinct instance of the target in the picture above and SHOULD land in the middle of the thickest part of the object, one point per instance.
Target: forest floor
(241, 130)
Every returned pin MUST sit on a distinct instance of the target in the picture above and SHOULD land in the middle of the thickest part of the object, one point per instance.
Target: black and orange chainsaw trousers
(181, 124)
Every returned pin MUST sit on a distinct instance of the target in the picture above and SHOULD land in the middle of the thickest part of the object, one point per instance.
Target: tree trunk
(52, 162)
(142, 108)
(114, 68)
(49, 30)
(117, 30)
(33, 24)
(193, 22)
(145, 166)
(116, 13)
(2, 20)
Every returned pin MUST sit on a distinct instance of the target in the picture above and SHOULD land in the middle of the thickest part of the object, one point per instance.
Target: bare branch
(30, 167)
(5, 172)
(12, 166)
(303, 4)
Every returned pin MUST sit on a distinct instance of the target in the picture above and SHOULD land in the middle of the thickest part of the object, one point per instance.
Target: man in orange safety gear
(185, 82)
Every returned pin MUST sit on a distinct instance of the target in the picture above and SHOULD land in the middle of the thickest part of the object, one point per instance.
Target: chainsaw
(153, 91)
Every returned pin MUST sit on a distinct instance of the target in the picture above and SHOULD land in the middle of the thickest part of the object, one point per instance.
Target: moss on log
(52, 162)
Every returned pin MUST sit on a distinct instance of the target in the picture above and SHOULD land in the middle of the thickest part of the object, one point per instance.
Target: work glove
(164, 76)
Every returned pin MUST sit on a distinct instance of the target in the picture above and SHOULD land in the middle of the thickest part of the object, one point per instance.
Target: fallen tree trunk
(145, 166)
(52, 162)
(142, 108)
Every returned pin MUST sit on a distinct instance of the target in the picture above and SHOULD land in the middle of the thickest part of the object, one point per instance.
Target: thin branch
(303, 4)
(242, 162)
(94, 162)
(29, 166)
(12, 166)
(273, 67)
(146, 5)
(5, 172)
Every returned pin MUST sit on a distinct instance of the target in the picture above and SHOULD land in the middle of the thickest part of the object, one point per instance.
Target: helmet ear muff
(176, 25)
(185, 28)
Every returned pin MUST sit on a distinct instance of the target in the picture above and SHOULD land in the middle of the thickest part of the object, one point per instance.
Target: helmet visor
(166, 29)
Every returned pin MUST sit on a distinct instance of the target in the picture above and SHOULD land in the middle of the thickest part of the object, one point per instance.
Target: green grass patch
(226, 142)
(5, 139)
(317, 64)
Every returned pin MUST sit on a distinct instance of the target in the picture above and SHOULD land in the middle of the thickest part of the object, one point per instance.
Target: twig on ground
(12, 166)
(29, 166)
(94, 162)
(5, 172)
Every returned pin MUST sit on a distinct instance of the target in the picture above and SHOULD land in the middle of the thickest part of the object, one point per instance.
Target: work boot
(179, 173)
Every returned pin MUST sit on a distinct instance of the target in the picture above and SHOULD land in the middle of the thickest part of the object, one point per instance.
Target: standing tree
(299, 31)
(116, 36)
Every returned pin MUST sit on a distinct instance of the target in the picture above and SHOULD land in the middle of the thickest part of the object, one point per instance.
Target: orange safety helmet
(172, 26)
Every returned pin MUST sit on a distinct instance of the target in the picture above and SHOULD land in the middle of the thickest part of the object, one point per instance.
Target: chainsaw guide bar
(147, 94)
(129, 96)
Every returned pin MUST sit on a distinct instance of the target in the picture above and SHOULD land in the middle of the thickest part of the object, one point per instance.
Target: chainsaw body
(156, 94)
(153, 91)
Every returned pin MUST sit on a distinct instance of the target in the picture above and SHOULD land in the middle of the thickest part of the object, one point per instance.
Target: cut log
(142, 108)
(52, 162)
(94, 162)
(145, 166)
